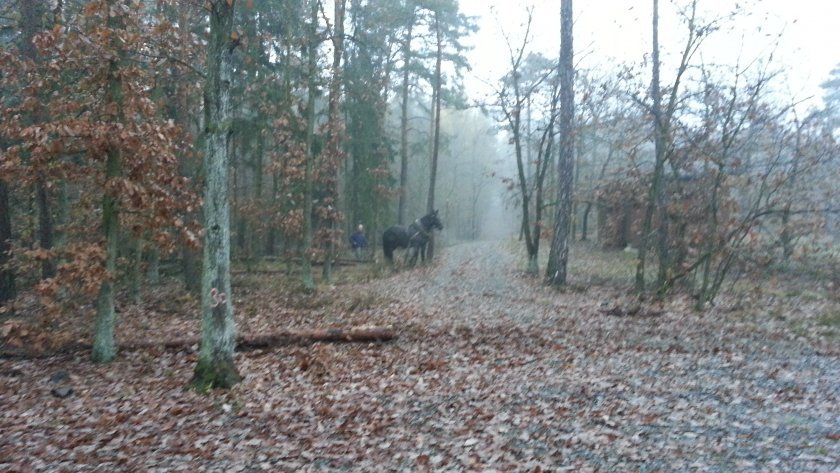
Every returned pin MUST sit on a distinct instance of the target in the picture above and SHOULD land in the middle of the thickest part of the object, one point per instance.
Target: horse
(415, 237)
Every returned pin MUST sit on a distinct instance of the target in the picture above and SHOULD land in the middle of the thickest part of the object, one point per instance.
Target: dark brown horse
(415, 237)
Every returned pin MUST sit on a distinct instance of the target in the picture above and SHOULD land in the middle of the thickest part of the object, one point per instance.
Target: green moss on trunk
(220, 373)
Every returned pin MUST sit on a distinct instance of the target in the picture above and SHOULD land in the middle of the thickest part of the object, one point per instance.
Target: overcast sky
(610, 31)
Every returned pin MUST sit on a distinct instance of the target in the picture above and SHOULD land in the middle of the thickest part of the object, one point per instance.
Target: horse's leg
(413, 249)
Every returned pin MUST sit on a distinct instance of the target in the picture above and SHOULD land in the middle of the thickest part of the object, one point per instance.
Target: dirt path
(549, 374)
(474, 284)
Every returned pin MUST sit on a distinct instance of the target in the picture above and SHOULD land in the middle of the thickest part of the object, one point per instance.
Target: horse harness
(420, 231)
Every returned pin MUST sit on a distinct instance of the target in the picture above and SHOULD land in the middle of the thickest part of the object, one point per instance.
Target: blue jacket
(358, 240)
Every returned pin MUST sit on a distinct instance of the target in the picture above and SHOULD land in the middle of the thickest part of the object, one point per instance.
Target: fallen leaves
(473, 383)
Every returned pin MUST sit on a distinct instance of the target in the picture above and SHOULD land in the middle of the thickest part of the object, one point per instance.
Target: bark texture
(216, 368)
(558, 259)
(104, 348)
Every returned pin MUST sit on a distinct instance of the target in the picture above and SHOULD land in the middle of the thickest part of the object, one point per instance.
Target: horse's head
(431, 221)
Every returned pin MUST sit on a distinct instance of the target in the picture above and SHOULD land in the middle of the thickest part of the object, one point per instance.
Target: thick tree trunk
(558, 259)
(104, 348)
(215, 367)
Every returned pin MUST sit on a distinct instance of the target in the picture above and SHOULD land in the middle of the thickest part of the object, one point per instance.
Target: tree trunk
(31, 17)
(707, 287)
(656, 192)
(153, 265)
(46, 232)
(190, 258)
(662, 119)
(257, 243)
(271, 238)
(63, 214)
(404, 126)
(215, 367)
(525, 224)
(135, 266)
(558, 259)
(334, 141)
(660, 141)
(430, 204)
(584, 224)
(7, 275)
(104, 349)
(312, 73)
(786, 236)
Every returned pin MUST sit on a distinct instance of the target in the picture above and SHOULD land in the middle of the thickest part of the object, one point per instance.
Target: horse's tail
(387, 246)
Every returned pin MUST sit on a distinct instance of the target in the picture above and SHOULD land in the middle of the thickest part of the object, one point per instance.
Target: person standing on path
(359, 242)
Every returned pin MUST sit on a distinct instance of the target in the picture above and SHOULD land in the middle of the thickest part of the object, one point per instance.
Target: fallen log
(332, 335)
(298, 262)
(244, 342)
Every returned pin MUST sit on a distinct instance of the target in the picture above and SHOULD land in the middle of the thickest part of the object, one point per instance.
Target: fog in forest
(370, 113)
(419, 235)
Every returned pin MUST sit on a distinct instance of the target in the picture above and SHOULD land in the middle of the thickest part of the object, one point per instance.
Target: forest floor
(492, 371)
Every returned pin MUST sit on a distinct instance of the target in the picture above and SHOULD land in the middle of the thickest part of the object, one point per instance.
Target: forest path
(474, 284)
(666, 389)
